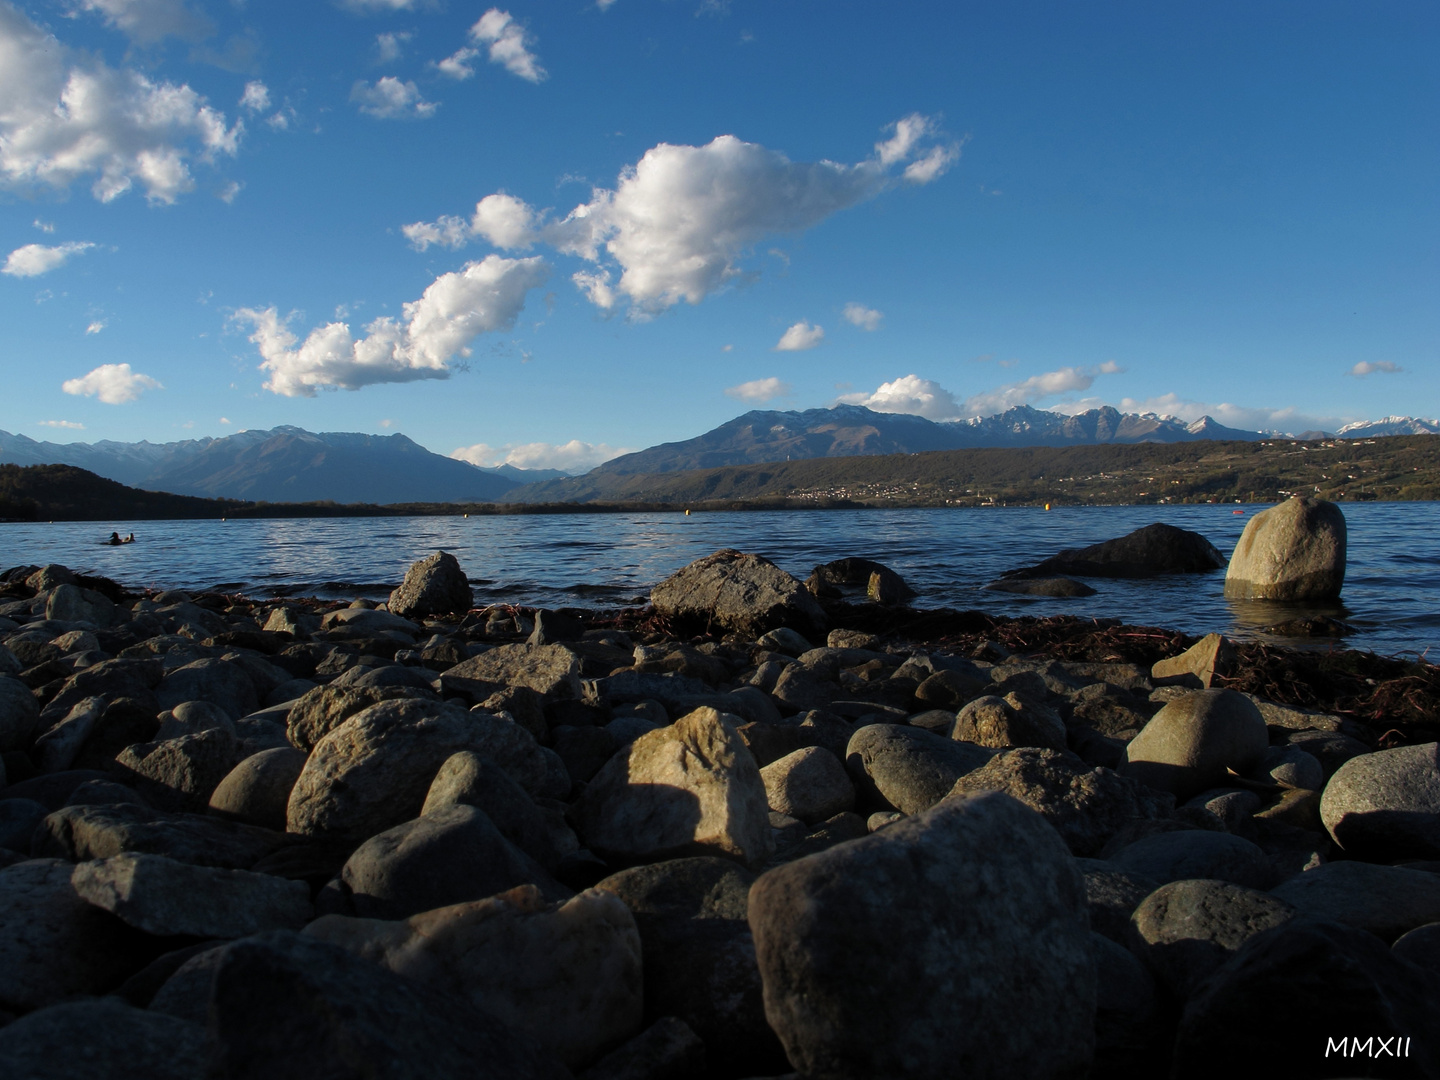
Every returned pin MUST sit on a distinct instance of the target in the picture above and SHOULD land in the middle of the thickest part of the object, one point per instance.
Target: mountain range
(284, 464)
(290, 464)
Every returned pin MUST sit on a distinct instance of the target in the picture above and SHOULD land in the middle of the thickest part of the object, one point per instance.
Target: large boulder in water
(433, 586)
(1293, 551)
(1155, 549)
(745, 593)
(825, 580)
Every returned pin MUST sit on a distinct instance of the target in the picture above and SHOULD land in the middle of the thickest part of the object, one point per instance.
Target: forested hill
(1401, 467)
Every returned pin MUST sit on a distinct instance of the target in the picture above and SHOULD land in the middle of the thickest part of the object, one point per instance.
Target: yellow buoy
(687, 513)
(1047, 506)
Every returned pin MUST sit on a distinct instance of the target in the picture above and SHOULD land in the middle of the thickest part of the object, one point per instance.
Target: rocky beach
(759, 828)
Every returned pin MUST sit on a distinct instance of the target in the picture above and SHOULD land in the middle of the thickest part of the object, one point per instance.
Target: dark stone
(101, 1039)
(1155, 549)
(907, 769)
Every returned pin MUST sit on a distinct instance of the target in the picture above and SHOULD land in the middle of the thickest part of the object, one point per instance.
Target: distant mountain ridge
(284, 464)
(853, 430)
(1390, 425)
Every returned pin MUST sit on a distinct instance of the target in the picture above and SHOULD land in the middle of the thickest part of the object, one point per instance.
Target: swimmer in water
(115, 540)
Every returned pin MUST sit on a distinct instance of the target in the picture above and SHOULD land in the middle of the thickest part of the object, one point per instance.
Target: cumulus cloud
(678, 222)
(114, 384)
(391, 99)
(44, 226)
(95, 327)
(509, 44)
(456, 308)
(32, 260)
(149, 21)
(1066, 380)
(66, 114)
(368, 7)
(861, 316)
(68, 425)
(909, 394)
(800, 337)
(574, 457)
(758, 391)
(256, 97)
(1369, 367)
(389, 47)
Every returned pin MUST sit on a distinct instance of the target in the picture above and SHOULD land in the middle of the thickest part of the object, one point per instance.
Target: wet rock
(810, 784)
(1198, 665)
(551, 670)
(257, 791)
(163, 897)
(744, 593)
(446, 857)
(1155, 549)
(1385, 900)
(1188, 745)
(291, 1007)
(994, 930)
(908, 769)
(567, 975)
(691, 788)
(1292, 551)
(374, 770)
(179, 774)
(433, 586)
(1310, 985)
(855, 572)
(1185, 930)
(1059, 587)
(77, 833)
(1195, 853)
(1085, 806)
(53, 944)
(1385, 806)
(101, 1039)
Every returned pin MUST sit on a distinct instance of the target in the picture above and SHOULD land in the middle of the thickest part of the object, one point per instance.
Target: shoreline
(613, 809)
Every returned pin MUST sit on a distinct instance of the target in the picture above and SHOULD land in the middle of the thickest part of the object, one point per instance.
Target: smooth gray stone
(1195, 853)
(101, 1039)
(1385, 806)
(167, 898)
(1190, 743)
(1112, 895)
(1385, 900)
(908, 769)
(971, 909)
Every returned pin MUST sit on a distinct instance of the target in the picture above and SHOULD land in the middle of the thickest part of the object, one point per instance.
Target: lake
(1391, 595)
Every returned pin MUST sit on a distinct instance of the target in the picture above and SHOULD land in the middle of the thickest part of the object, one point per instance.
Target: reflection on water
(1391, 596)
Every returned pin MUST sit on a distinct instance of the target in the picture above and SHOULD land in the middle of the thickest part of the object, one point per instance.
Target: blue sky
(546, 232)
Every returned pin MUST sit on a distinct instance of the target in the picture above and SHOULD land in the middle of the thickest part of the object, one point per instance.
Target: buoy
(467, 515)
(1237, 511)
(1047, 506)
(687, 513)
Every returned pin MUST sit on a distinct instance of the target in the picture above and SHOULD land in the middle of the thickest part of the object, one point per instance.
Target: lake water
(1391, 595)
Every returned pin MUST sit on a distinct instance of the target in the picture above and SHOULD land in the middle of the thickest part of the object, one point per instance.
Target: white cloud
(68, 425)
(861, 316)
(800, 337)
(65, 114)
(114, 384)
(909, 394)
(391, 99)
(366, 7)
(95, 327)
(32, 260)
(604, 5)
(256, 97)
(1369, 367)
(457, 307)
(759, 390)
(572, 457)
(1066, 380)
(457, 65)
(596, 288)
(44, 226)
(509, 43)
(227, 193)
(389, 47)
(677, 223)
(149, 21)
